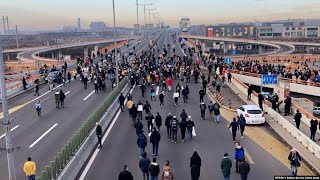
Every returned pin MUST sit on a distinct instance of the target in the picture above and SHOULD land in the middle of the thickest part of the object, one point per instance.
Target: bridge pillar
(52, 55)
(225, 47)
(96, 49)
(260, 49)
(85, 51)
(8, 57)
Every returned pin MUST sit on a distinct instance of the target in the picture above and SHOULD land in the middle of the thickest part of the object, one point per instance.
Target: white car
(252, 113)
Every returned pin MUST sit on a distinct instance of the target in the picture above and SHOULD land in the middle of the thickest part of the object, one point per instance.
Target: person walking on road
(153, 94)
(121, 100)
(129, 106)
(195, 165)
(37, 90)
(57, 99)
(143, 89)
(190, 125)
(147, 107)
(183, 127)
(154, 169)
(234, 128)
(183, 115)
(38, 107)
(313, 128)
(139, 127)
(164, 84)
(125, 174)
(185, 93)
(244, 169)
(176, 97)
(142, 142)
(140, 110)
(168, 124)
(167, 172)
(203, 108)
(226, 165)
(174, 128)
(250, 90)
(242, 124)
(294, 158)
(161, 98)
(204, 85)
(169, 83)
(155, 138)
(99, 134)
(134, 113)
(24, 83)
(29, 168)
(62, 97)
(210, 109)
(150, 119)
(158, 121)
(297, 119)
(238, 155)
(144, 166)
(201, 93)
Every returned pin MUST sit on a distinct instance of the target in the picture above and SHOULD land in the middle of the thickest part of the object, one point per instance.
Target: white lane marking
(157, 92)
(67, 92)
(88, 95)
(95, 154)
(46, 93)
(43, 135)
(194, 132)
(2, 136)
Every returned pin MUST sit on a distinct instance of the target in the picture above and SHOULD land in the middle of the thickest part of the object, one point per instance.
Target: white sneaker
(242, 137)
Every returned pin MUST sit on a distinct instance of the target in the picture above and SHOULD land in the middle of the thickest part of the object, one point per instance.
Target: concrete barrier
(83, 154)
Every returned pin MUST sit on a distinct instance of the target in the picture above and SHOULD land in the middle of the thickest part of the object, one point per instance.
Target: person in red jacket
(169, 83)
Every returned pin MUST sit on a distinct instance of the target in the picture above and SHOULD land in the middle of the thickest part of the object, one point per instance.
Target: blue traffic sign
(269, 79)
(228, 60)
(234, 52)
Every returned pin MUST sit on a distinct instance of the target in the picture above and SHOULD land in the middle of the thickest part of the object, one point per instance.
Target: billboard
(184, 24)
(210, 32)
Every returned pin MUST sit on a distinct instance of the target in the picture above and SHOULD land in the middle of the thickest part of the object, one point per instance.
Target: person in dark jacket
(168, 124)
(62, 97)
(147, 107)
(183, 115)
(99, 134)
(183, 127)
(125, 174)
(139, 127)
(144, 166)
(203, 108)
(226, 165)
(294, 158)
(250, 89)
(238, 155)
(234, 127)
(121, 100)
(244, 169)
(297, 119)
(155, 138)
(190, 125)
(154, 169)
(158, 121)
(185, 93)
(143, 89)
(287, 106)
(142, 142)
(216, 112)
(195, 164)
(201, 93)
(37, 90)
(161, 98)
(313, 128)
(149, 119)
(242, 124)
(24, 83)
(134, 113)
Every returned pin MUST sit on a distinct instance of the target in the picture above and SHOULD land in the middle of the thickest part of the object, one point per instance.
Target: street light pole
(6, 123)
(115, 43)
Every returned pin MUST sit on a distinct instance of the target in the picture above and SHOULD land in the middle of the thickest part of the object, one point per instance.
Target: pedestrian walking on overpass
(125, 174)
(142, 142)
(29, 168)
(153, 94)
(154, 169)
(62, 98)
(244, 169)
(226, 165)
(37, 90)
(201, 93)
(234, 128)
(238, 155)
(155, 138)
(190, 125)
(195, 165)
(174, 128)
(158, 121)
(210, 110)
(176, 98)
(99, 134)
(24, 83)
(287, 106)
(161, 98)
(57, 99)
(140, 110)
(129, 106)
(203, 108)
(313, 128)
(121, 100)
(144, 166)
(168, 125)
(297, 119)
(134, 113)
(38, 107)
(216, 110)
(167, 172)
(242, 124)
(294, 158)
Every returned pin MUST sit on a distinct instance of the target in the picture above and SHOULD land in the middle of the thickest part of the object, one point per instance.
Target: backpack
(174, 125)
(167, 174)
(210, 107)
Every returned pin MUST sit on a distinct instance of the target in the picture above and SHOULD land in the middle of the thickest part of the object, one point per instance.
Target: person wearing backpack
(167, 173)
(242, 124)
(174, 128)
(203, 108)
(244, 169)
(144, 166)
(210, 109)
(183, 127)
(142, 142)
(190, 125)
(238, 155)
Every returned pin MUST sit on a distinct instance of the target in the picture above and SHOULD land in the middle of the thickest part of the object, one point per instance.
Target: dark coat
(125, 175)
(158, 120)
(244, 167)
(168, 121)
(121, 99)
(183, 125)
(184, 115)
(134, 111)
(98, 130)
(142, 140)
(139, 127)
(154, 169)
(195, 164)
(155, 137)
(144, 164)
(226, 165)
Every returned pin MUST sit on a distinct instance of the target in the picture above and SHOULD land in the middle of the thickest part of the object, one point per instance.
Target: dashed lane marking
(43, 135)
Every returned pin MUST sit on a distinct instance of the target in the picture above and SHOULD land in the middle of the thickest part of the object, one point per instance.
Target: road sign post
(228, 61)
(268, 80)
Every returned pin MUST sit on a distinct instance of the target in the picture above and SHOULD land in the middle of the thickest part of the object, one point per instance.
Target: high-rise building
(78, 25)
(97, 26)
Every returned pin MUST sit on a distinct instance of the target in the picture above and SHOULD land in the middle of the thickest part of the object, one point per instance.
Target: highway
(42, 137)
(212, 141)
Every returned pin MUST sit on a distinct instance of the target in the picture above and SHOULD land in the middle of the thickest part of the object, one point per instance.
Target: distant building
(97, 26)
(78, 25)
(69, 29)
(232, 30)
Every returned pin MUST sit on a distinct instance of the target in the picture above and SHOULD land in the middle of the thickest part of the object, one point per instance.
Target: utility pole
(149, 14)
(17, 37)
(115, 43)
(6, 123)
(7, 24)
(4, 25)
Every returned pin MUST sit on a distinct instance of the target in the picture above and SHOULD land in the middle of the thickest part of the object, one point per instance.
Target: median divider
(71, 158)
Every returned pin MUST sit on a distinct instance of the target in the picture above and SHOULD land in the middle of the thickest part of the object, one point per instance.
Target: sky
(54, 14)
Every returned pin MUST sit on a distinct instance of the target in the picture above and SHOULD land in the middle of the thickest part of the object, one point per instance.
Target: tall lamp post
(115, 43)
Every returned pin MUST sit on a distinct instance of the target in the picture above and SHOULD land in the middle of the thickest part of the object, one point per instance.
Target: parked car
(53, 75)
(252, 113)
(316, 111)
